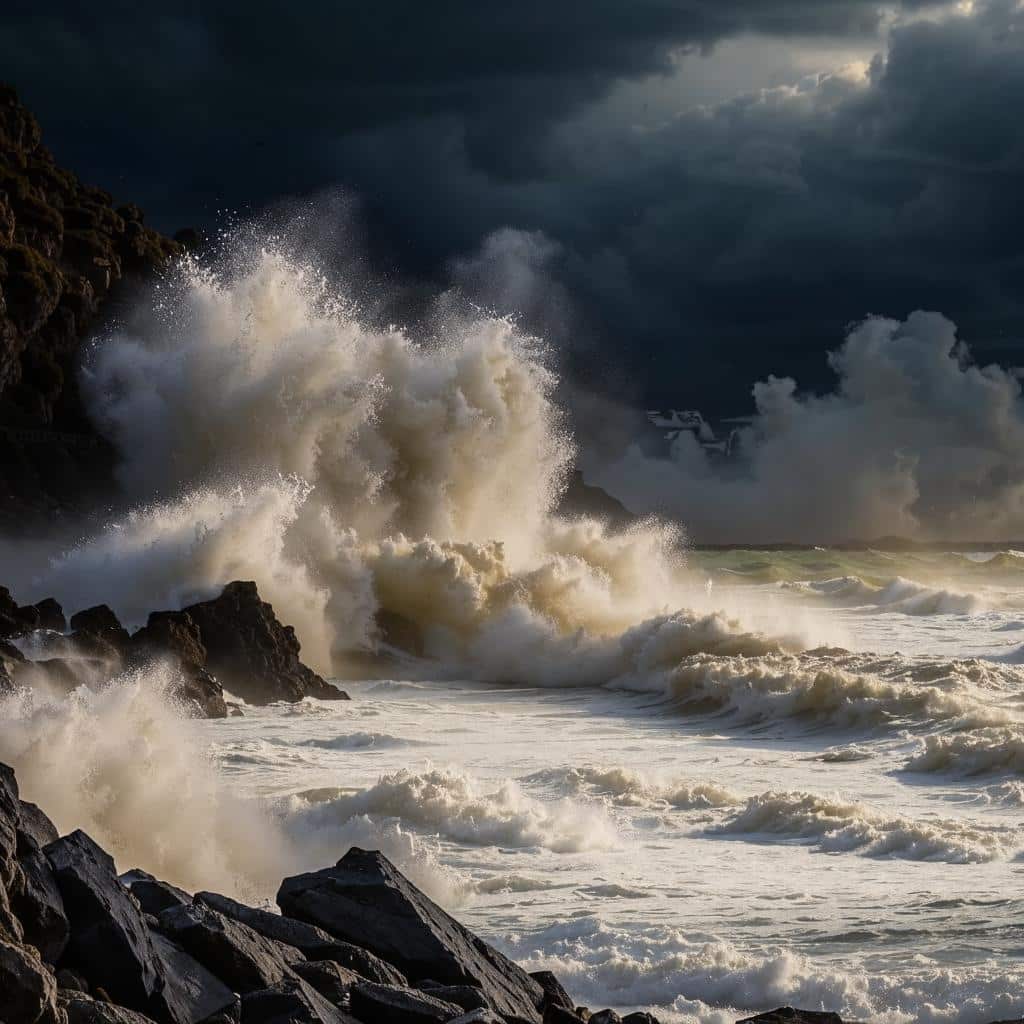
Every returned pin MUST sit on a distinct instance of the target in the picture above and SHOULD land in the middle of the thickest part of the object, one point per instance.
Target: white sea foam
(899, 595)
(839, 826)
(983, 752)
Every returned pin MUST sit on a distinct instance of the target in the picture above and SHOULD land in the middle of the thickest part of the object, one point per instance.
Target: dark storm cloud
(701, 251)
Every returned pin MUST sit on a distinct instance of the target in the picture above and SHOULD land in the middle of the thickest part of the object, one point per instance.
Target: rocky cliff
(66, 251)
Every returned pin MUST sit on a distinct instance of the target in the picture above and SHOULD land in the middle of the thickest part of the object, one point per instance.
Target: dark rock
(51, 615)
(561, 1015)
(314, 943)
(331, 980)
(251, 653)
(10, 816)
(554, 994)
(34, 825)
(389, 1004)
(605, 1017)
(787, 1015)
(101, 621)
(110, 941)
(27, 989)
(82, 1009)
(291, 1001)
(466, 996)
(583, 499)
(243, 958)
(153, 896)
(71, 980)
(640, 1018)
(366, 900)
(191, 992)
(36, 901)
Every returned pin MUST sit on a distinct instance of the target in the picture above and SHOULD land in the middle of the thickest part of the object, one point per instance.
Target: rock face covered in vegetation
(65, 248)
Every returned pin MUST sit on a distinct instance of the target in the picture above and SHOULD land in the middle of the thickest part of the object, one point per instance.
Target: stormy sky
(687, 195)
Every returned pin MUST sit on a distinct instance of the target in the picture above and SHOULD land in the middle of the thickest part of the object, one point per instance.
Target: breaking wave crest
(898, 595)
(837, 826)
(985, 752)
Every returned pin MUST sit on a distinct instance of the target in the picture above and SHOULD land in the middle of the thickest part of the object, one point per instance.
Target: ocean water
(704, 782)
(860, 854)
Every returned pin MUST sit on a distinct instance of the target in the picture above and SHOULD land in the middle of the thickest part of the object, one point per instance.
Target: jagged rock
(605, 1017)
(787, 1015)
(364, 899)
(234, 952)
(331, 980)
(37, 903)
(251, 652)
(480, 1017)
(291, 1001)
(640, 1018)
(34, 825)
(112, 944)
(100, 620)
(82, 1009)
(153, 896)
(10, 815)
(27, 988)
(389, 1004)
(466, 996)
(314, 943)
(554, 993)
(51, 615)
(175, 636)
(561, 1015)
(583, 499)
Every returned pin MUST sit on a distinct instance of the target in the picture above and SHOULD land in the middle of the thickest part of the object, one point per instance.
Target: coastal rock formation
(212, 960)
(251, 652)
(65, 248)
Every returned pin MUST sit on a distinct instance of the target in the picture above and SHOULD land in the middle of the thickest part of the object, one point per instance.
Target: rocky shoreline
(233, 641)
(356, 943)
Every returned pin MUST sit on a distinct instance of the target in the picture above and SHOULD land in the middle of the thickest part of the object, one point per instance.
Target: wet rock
(583, 499)
(153, 896)
(605, 1017)
(82, 1009)
(561, 1015)
(364, 899)
(191, 992)
(787, 1015)
(466, 996)
(251, 653)
(27, 988)
(331, 980)
(554, 993)
(71, 981)
(389, 1004)
(37, 903)
(100, 621)
(111, 943)
(314, 943)
(640, 1018)
(291, 1002)
(34, 825)
(244, 959)
(51, 615)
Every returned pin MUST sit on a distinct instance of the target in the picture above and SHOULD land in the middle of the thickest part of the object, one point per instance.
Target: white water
(675, 789)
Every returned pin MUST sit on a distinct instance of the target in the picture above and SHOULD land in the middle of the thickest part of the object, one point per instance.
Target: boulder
(99, 619)
(251, 652)
(390, 1004)
(554, 993)
(365, 900)
(111, 943)
(27, 988)
(50, 615)
(466, 996)
(152, 895)
(82, 1009)
(243, 958)
(605, 1017)
(72, 980)
(314, 943)
(331, 980)
(291, 1001)
(787, 1015)
(34, 825)
(37, 903)
(640, 1018)
(561, 1015)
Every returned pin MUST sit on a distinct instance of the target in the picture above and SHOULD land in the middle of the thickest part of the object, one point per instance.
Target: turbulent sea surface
(707, 782)
(805, 837)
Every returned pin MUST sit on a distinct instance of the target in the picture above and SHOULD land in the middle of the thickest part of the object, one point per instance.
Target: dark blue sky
(685, 194)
